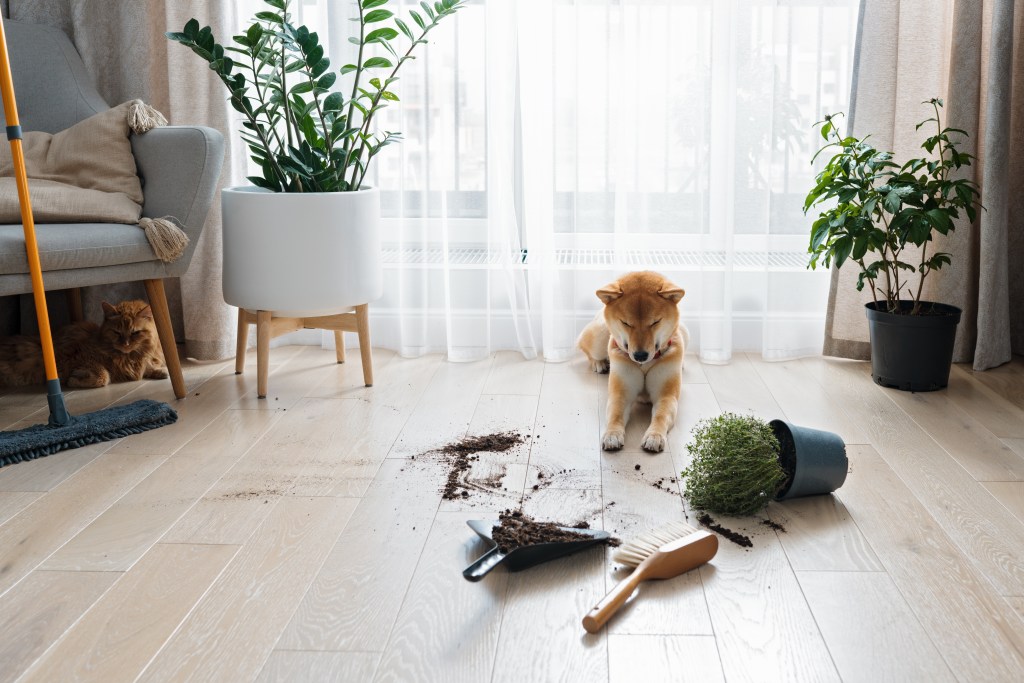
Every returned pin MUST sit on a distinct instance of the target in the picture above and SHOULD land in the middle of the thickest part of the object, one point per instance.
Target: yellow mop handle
(31, 248)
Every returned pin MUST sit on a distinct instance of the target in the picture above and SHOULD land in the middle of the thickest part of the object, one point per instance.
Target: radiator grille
(599, 258)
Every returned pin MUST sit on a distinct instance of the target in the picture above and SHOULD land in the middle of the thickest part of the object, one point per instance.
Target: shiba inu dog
(638, 340)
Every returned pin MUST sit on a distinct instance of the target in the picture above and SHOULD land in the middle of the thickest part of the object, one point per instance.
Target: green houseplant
(304, 135)
(303, 241)
(884, 216)
(740, 463)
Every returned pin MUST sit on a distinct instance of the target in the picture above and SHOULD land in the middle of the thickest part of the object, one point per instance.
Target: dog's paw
(613, 441)
(653, 442)
(599, 366)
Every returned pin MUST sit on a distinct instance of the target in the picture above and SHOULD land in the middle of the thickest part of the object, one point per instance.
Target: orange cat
(125, 348)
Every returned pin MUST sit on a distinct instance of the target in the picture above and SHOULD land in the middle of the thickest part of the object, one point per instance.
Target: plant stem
(284, 88)
(355, 90)
(871, 282)
(365, 128)
(943, 174)
(263, 103)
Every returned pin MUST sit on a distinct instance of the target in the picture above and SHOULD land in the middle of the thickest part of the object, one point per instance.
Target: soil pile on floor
(461, 454)
(739, 539)
(518, 529)
(773, 525)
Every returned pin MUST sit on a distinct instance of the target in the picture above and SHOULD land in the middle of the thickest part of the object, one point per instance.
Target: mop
(63, 430)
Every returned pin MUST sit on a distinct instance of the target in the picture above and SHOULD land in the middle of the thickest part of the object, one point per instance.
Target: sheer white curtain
(553, 144)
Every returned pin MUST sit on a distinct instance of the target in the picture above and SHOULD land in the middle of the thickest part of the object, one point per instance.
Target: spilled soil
(460, 456)
(739, 539)
(518, 529)
(773, 525)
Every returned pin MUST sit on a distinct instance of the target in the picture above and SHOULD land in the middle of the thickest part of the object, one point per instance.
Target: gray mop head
(82, 430)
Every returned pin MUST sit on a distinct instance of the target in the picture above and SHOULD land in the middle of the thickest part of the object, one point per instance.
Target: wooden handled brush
(663, 553)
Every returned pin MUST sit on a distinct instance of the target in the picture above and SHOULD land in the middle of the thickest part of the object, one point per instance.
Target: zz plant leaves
(869, 204)
(304, 136)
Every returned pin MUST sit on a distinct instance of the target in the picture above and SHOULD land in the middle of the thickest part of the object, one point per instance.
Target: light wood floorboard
(885, 642)
(663, 659)
(118, 636)
(966, 511)
(230, 633)
(303, 537)
(45, 605)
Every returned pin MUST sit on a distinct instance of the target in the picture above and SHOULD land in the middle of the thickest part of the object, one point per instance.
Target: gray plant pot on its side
(816, 459)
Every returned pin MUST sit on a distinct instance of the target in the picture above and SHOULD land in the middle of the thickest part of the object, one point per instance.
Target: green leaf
(892, 202)
(191, 29)
(389, 96)
(370, 4)
(860, 247)
(333, 102)
(381, 34)
(377, 63)
(940, 219)
(327, 80)
(405, 28)
(320, 67)
(427, 8)
(377, 15)
(418, 19)
(841, 248)
(301, 87)
(348, 68)
(270, 16)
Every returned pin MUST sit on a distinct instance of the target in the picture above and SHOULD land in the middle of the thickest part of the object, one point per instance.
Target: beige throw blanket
(87, 174)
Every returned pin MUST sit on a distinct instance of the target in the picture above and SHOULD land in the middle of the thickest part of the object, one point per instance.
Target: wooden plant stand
(268, 327)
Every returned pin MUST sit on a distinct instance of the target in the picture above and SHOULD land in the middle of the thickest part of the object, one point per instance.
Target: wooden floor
(297, 538)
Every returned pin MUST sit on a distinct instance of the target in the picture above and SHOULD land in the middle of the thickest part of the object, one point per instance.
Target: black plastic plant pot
(912, 352)
(814, 460)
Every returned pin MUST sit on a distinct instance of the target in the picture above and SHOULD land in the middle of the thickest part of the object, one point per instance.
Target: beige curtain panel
(123, 45)
(971, 54)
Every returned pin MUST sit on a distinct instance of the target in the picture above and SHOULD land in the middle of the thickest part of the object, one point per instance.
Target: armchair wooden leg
(263, 334)
(162, 317)
(74, 299)
(243, 341)
(363, 330)
(339, 345)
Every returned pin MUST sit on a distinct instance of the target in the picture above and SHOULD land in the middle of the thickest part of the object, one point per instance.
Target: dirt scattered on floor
(636, 467)
(245, 495)
(739, 539)
(518, 529)
(773, 525)
(666, 484)
(460, 456)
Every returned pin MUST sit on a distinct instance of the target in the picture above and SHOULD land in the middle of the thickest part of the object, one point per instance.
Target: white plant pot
(301, 254)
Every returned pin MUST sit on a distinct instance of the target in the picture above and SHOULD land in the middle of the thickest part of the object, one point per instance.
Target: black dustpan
(526, 556)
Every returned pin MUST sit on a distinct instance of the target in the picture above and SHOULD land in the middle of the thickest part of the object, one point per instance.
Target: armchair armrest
(179, 167)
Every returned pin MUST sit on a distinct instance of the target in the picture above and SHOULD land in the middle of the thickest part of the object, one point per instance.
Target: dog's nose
(640, 356)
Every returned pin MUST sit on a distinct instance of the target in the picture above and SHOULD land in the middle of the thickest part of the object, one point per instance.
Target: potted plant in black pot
(739, 463)
(884, 217)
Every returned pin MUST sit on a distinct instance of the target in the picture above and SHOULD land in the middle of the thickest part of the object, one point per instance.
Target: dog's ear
(609, 293)
(671, 292)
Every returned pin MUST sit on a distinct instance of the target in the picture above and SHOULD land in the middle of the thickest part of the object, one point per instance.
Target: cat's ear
(109, 311)
(146, 312)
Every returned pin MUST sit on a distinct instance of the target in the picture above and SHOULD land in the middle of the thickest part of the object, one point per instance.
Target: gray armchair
(179, 167)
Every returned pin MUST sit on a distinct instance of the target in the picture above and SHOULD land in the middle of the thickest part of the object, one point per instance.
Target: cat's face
(128, 327)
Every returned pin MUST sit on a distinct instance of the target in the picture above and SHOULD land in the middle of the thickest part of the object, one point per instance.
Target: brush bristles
(640, 548)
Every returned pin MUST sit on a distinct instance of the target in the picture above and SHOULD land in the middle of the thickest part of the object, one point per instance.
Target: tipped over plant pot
(740, 463)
